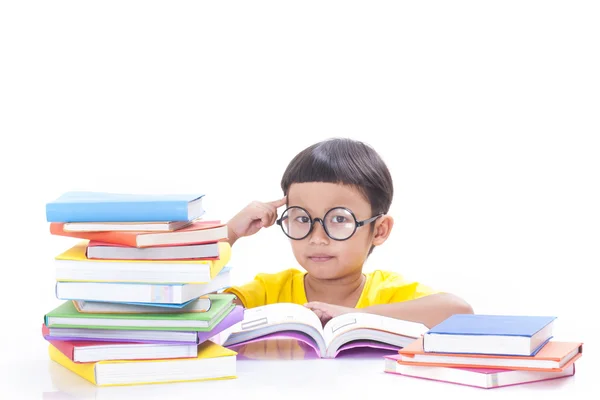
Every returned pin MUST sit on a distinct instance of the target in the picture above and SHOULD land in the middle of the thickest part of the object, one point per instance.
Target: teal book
(67, 316)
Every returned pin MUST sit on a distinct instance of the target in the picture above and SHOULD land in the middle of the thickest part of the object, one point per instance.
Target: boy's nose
(318, 235)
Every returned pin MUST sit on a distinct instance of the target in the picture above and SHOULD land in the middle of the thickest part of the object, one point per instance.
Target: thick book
(202, 304)
(67, 316)
(554, 356)
(484, 378)
(93, 351)
(173, 294)
(144, 336)
(489, 334)
(287, 320)
(155, 226)
(107, 251)
(124, 207)
(212, 362)
(73, 265)
(198, 232)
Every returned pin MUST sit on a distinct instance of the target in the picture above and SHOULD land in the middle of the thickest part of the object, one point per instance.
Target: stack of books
(141, 289)
(488, 351)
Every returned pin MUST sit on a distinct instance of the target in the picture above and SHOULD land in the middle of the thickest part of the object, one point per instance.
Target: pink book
(486, 378)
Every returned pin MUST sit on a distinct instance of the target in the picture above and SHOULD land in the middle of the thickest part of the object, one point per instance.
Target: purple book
(140, 336)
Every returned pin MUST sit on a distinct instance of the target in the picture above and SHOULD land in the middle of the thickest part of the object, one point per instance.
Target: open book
(287, 320)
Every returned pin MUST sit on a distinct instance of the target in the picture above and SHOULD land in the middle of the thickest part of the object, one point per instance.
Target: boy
(337, 195)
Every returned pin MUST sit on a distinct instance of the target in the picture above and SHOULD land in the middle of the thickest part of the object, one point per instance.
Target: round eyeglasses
(339, 223)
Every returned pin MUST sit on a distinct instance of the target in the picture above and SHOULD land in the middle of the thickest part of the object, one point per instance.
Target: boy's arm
(231, 236)
(429, 310)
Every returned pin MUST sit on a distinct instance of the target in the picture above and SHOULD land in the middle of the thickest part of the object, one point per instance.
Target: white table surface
(283, 372)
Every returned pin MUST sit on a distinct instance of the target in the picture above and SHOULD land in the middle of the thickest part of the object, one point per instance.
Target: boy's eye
(303, 219)
(339, 219)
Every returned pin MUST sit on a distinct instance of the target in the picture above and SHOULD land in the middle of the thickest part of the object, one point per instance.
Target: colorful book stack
(488, 351)
(140, 289)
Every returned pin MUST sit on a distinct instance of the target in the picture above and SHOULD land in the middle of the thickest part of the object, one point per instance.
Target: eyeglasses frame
(357, 223)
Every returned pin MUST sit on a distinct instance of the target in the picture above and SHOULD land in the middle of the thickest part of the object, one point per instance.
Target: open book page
(274, 318)
(363, 326)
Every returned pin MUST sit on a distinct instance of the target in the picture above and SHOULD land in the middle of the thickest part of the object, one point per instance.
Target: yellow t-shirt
(287, 286)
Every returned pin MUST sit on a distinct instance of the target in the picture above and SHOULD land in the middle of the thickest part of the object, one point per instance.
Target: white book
(73, 265)
(107, 252)
(116, 335)
(86, 352)
(121, 292)
(157, 226)
(296, 321)
(93, 307)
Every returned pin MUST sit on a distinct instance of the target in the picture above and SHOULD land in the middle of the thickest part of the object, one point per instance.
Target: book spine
(87, 371)
(117, 211)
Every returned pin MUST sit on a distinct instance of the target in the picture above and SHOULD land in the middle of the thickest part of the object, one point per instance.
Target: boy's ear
(383, 228)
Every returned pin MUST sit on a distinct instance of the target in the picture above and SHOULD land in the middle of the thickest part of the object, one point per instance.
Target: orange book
(553, 357)
(197, 233)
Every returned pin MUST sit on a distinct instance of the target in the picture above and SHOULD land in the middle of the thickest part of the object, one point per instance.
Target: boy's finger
(268, 214)
(278, 203)
(314, 305)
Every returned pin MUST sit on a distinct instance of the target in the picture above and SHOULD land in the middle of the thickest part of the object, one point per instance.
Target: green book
(67, 316)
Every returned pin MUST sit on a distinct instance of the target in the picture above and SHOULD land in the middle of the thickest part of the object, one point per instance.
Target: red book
(197, 233)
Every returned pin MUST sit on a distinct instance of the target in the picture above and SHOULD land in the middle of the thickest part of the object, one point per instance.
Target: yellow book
(213, 362)
(73, 266)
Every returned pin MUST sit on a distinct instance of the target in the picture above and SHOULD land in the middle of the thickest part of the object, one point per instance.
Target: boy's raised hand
(252, 218)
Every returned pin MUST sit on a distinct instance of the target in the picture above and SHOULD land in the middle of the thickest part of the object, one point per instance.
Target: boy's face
(321, 256)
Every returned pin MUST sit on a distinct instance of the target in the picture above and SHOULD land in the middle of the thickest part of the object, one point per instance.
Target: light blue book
(118, 207)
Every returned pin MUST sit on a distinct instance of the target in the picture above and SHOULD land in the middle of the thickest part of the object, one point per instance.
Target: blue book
(116, 207)
(507, 335)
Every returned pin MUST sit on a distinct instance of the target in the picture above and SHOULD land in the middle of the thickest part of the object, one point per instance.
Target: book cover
(67, 316)
(123, 207)
(107, 335)
(490, 334)
(496, 325)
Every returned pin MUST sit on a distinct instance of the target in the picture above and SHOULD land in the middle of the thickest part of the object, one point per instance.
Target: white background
(487, 114)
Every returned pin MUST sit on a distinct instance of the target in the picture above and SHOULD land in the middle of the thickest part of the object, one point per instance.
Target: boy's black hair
(347, 162)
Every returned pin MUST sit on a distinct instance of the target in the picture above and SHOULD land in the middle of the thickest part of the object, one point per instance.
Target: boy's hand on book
(252, 218)
(326, 311)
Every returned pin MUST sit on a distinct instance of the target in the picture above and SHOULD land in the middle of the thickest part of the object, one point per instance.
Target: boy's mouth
(320, 257)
